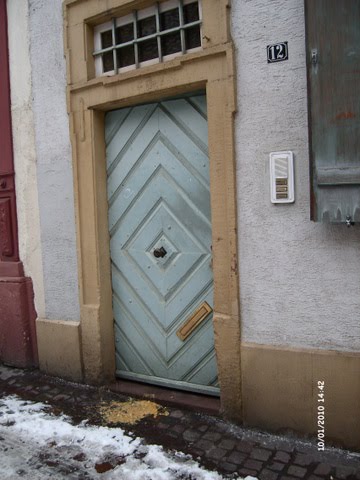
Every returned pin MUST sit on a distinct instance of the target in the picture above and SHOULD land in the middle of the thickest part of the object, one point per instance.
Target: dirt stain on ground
(130, 412)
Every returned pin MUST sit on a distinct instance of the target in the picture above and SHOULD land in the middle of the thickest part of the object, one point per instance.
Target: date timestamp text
(321, 415)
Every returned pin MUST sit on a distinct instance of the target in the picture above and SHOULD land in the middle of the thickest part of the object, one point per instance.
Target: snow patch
(39, 444)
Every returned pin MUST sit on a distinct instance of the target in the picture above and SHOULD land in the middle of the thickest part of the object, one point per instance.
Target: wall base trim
(280, 391)
(227, 347)
(17, 322)
(59, 345)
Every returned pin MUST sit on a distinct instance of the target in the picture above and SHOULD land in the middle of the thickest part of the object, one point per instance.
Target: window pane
(125, 33)
(148, 50)
(108, 62)
(125, 56)
(192, 37)
(147, 26)
(191, 12)
(171, 43)
(169, 19)
(106, 39)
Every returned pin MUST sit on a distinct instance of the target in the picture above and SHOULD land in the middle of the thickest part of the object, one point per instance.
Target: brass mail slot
(194, 321)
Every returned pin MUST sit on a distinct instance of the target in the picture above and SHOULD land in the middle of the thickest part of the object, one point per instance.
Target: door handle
(160, 252)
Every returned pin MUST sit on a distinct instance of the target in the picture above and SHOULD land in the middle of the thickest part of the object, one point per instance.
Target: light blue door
(160, 242)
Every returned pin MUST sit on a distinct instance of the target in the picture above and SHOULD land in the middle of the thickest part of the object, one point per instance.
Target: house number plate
(277, 52)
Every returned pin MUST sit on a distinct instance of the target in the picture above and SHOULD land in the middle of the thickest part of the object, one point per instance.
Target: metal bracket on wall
(349, 222)
(314, 56)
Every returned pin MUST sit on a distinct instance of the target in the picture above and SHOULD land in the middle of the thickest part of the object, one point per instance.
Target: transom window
(147, 36)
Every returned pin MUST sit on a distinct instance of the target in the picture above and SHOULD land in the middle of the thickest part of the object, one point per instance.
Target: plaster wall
(54, 163)
(299, 281)
(24, 148)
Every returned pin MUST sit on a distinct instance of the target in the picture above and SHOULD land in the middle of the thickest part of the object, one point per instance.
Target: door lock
(160, 252)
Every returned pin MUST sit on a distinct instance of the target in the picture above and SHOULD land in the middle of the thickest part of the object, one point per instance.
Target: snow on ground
(35, 444)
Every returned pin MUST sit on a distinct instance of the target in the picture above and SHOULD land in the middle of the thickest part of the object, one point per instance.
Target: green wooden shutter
(333, 64)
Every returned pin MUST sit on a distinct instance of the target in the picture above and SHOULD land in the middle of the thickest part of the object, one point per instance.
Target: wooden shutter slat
(338, 176)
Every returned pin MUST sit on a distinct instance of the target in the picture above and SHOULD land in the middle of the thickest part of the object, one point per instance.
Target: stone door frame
(212, 70)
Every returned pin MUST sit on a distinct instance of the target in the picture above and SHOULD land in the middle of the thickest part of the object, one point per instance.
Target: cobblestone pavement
(216, 444)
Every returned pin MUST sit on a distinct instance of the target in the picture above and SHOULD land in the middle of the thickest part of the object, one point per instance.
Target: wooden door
(160, 231)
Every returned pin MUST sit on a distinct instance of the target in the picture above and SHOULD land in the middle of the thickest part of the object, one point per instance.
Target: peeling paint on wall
(54, 162)
(24, 148)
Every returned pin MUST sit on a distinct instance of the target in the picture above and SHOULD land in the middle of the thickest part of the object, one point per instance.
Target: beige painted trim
(88, 98)
(280, 391)
(23, 133)
(59, 346)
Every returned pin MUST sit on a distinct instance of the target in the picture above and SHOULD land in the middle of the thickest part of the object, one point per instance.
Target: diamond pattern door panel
(160, 242)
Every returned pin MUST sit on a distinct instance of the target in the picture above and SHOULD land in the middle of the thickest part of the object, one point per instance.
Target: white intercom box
(282, 177)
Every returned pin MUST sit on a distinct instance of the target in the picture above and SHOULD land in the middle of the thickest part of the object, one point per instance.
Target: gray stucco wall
(54, 167)
(299, 281)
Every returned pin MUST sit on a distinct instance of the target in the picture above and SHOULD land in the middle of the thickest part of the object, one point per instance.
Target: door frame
(211, 69)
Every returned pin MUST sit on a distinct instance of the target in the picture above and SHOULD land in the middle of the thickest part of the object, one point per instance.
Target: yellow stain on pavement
(130, 412)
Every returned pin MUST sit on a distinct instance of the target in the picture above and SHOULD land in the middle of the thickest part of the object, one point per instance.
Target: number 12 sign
(277, 52)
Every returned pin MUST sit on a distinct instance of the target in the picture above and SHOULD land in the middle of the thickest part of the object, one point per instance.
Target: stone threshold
(175, 398)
